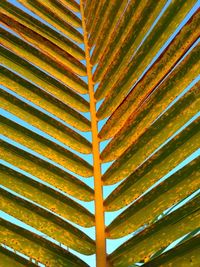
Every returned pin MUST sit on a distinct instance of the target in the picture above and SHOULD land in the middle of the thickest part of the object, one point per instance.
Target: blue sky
(111, 244)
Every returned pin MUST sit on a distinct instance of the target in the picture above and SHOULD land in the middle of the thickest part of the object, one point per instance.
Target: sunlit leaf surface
(100, 130)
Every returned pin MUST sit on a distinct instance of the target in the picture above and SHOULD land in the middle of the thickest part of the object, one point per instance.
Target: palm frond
(75, 74)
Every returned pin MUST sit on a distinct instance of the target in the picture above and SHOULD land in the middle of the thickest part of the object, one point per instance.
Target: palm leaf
(69, 67)
(186, 253)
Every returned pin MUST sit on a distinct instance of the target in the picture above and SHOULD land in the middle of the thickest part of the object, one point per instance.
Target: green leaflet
(45, 196)
(36, 247)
